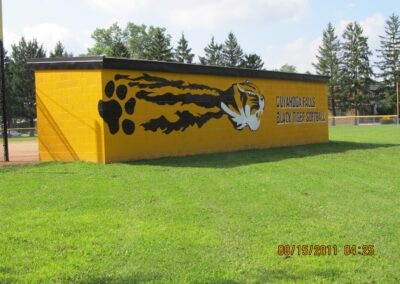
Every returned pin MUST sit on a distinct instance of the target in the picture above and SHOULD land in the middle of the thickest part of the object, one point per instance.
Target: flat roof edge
(101, 62)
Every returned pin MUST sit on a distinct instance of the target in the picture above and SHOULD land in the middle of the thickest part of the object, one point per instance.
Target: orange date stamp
(325, 250)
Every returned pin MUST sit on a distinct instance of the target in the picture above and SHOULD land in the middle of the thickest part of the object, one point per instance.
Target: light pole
(3, 87)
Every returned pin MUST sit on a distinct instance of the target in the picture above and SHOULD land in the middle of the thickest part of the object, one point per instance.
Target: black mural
(241, 102)
(111, 111)
(185, 119)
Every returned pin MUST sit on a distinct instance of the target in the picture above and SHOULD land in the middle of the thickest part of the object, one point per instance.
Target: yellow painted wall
(217, 135)
(69, 126)
(73, 106)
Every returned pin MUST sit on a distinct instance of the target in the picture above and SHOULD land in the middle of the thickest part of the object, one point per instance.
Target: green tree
(355, 69)
(139, 39)
(160, 46)
(109, 42)
(133, 41)
(59, 51)
(288, 68)
(21, 96)
(120, 50)
(232, 52)
(252, 61)
(12, 106)
(213, 54)
(389, 61)
(328, 63)
(182, 52)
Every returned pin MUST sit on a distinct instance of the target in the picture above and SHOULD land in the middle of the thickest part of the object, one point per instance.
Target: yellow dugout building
(109, 110)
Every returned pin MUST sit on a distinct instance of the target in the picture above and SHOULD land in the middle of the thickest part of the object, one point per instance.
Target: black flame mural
(242, 103)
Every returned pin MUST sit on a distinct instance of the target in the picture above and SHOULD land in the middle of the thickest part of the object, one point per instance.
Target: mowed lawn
(208, 219)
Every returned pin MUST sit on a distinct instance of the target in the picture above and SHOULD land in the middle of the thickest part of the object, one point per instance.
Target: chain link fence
(22, 145)
(364, 120)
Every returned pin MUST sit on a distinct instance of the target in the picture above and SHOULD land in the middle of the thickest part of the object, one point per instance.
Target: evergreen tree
(288, 68)
(355, 69)
(21, 96)
(160, 47)
(232, 53)
(252, 61)
(213, 54)
(110, 42)
(328, 63)
(389, 63)
(119, 49)
(59, 51)
(183, 53)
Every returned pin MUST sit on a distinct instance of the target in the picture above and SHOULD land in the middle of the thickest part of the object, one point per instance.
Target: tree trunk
(331, 89)
(355, 109)
(333, 109)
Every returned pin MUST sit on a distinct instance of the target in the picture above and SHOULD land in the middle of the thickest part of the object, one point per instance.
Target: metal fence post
(3, 88)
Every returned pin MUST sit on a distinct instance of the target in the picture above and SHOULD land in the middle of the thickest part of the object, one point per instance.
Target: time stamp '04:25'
(321, 250)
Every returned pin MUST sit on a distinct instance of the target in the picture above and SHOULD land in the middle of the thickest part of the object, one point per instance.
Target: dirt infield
(22, 152)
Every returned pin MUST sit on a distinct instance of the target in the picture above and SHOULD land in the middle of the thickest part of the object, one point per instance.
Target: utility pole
(3, 87)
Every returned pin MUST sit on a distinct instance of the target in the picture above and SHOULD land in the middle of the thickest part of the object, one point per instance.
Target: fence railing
(364, 120)
(21, 133)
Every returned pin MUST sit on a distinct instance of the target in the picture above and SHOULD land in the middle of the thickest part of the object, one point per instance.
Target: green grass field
(22, 138)
(208, 219)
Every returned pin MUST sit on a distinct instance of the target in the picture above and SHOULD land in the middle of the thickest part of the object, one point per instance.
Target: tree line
(345, 61)
(154, 43)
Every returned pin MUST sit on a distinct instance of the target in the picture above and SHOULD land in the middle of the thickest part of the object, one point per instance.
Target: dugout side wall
(110, 110)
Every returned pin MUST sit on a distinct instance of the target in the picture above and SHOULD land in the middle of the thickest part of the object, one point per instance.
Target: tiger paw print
(111, 111)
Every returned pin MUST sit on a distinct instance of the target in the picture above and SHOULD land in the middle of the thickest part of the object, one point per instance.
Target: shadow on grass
(4, 167)
(264, 276)
(311, 276)
(136, 278)
(241, 158)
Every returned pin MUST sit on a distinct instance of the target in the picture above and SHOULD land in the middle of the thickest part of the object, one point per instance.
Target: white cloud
(373, 26)
(302, 54)
(296, 45)
(213, 13)
(9, 39)
(48, 34)
(208, 13)
(205, 14)
(298, 53)
(339, 29)
(120, 6)
(351, 6)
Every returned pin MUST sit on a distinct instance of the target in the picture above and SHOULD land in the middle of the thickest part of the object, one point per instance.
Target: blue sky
(281, 31)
